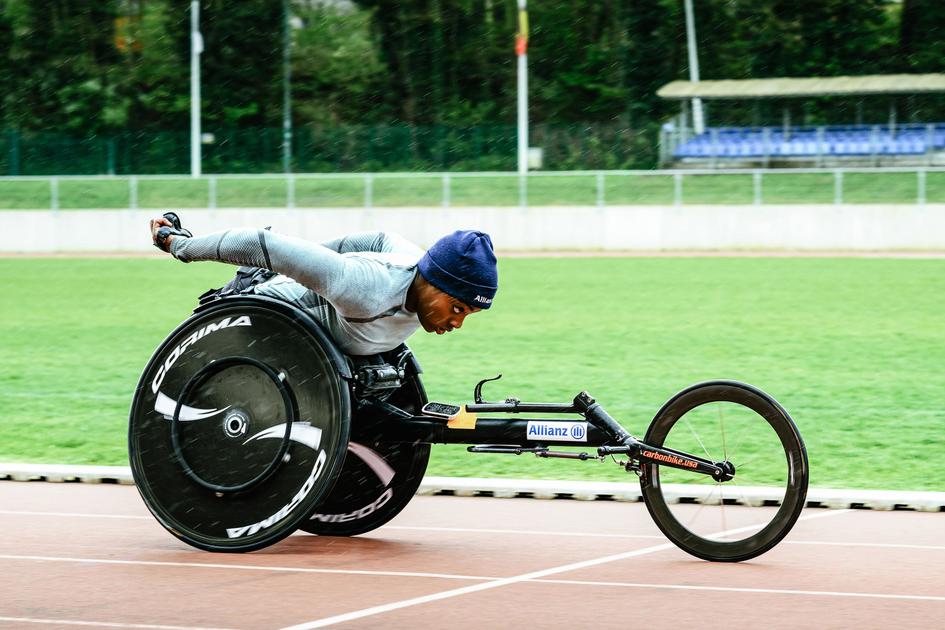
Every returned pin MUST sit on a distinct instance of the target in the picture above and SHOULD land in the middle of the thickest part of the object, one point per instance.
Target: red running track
(79, 555)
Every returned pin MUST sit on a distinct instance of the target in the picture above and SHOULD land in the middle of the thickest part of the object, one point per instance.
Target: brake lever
(477, 392)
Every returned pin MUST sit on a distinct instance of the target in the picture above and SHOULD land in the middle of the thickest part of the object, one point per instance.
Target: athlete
(371, 291)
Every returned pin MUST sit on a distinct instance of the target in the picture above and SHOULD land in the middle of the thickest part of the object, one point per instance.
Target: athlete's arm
(374, 242)
(360, 242)
(348, 283)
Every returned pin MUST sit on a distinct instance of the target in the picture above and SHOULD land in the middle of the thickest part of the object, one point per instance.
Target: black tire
(364, 497)
(239, 424)
(757, 508)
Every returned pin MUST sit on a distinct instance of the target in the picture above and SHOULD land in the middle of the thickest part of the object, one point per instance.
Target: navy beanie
(462, 264)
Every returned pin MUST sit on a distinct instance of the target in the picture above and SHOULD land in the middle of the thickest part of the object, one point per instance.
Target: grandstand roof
(805, 87)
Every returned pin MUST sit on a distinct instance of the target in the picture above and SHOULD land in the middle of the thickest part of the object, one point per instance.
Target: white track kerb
(535, 488)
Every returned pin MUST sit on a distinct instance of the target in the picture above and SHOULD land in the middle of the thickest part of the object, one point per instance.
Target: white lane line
(543, 532)
(830, 543)
(247, 567)
(99, 624)
(473, 530)
(735, 589)
(809, 515)
(73, 514)
(376, 610)
(526, 532)
(475, 588)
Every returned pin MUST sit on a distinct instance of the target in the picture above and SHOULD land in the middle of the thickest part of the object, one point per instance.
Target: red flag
(521, 38)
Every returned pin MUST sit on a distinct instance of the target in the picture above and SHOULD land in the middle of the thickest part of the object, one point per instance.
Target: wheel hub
(728, 471)
(235, 423)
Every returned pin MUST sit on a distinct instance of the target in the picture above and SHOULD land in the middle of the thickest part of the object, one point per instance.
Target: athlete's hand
(157, 224)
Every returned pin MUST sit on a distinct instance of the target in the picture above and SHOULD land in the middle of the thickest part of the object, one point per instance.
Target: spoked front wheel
(728, 521)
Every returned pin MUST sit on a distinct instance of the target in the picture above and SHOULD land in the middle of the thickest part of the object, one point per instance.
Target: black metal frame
(507, 435)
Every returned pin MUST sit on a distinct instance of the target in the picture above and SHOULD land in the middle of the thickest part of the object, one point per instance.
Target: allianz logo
(539, 430)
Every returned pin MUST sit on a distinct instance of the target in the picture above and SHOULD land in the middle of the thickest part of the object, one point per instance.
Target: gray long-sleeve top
(355, 286)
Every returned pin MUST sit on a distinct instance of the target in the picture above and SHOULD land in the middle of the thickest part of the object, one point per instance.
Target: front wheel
(734, 520)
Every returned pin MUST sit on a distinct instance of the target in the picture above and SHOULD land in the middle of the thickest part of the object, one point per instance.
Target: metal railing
(551, 188)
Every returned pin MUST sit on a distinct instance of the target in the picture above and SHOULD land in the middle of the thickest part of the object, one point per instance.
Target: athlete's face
(440, 312)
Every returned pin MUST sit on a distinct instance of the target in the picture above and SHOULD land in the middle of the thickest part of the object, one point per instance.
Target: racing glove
(161, 240)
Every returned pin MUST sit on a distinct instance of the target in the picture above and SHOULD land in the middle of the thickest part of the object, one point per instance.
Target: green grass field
(428, 191)
(853, 348)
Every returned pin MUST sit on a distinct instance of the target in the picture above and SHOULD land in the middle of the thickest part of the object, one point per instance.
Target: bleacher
(891, 144)
(812, 142)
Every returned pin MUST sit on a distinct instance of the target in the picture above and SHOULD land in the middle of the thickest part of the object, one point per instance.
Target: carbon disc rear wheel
(729, 521)
(239, 425)
(378, 479)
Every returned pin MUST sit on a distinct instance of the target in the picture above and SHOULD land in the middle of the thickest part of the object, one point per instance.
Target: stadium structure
(889, 144)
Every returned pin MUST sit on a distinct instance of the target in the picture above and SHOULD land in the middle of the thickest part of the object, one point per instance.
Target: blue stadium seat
(838, 140)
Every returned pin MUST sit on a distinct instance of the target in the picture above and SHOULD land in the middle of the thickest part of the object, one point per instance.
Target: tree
(60, 59)
(242, 62)
(156, 66)
(337, 74)
(647, 55)
(921, 46)
(7, 86)
(445, 60)
(241, 65)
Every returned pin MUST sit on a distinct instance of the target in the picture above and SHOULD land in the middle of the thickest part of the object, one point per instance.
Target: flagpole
(286, 90)
(698, 120)
(196, 47)
(521, 50)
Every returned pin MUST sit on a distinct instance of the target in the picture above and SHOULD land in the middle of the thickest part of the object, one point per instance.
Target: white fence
(827, 227)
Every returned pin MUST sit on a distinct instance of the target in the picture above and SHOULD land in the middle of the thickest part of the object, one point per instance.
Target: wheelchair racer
(371, 291)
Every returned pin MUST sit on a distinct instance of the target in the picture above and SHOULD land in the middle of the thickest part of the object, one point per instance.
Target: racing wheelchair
(248, 423)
